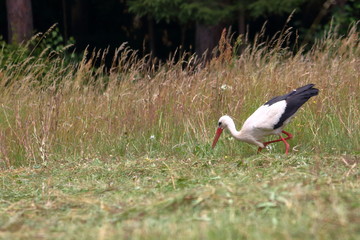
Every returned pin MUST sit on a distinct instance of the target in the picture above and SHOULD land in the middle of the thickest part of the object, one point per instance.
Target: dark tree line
(20, 20)
(159, 24)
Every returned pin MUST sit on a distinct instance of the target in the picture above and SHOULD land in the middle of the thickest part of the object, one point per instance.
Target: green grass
(89, 151)
(51, 108)
(261, 197)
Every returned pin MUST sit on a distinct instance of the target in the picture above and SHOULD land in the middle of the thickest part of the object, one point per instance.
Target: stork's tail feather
(295, 100)
(308, 91)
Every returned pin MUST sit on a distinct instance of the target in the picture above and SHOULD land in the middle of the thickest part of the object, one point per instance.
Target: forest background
(162, 26)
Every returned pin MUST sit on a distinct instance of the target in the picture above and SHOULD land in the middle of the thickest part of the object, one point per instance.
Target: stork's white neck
(232, 129)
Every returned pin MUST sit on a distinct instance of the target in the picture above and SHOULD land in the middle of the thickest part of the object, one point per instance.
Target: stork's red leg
(286, 144)
(289, 136)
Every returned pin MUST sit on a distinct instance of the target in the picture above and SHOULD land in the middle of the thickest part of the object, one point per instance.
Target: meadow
(90, 150)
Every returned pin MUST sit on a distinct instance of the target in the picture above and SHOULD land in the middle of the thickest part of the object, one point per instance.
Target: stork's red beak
(217, 135)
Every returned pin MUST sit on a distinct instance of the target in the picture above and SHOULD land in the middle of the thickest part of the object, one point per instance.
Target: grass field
(123, 152)
(259, 197)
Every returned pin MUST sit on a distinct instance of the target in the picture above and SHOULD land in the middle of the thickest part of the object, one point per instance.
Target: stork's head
(222, 124)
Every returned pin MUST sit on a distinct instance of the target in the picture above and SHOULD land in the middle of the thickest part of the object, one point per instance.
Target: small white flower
(270, 147)
(225, 87)
(152, 137)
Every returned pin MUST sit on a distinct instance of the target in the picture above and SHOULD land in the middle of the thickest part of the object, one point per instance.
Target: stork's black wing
(294, 100)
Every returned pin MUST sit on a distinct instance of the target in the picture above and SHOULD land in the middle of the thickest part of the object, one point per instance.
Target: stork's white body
(269, 119)
(259, 124)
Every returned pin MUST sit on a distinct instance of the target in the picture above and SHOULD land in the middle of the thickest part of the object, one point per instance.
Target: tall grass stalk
(52, 110)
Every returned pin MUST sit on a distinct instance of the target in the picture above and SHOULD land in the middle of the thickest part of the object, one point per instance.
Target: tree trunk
(65, 20)
(151, 32)
(183, 35)
(79, 18)
(340, 3)
(206, 39)
(241, 22)
(20, 20)
(242, 30)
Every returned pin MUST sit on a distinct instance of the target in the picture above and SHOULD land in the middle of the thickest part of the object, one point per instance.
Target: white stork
(269, 119)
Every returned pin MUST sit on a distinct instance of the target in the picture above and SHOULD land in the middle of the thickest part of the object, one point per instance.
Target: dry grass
(90, 152)
(51, 109)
